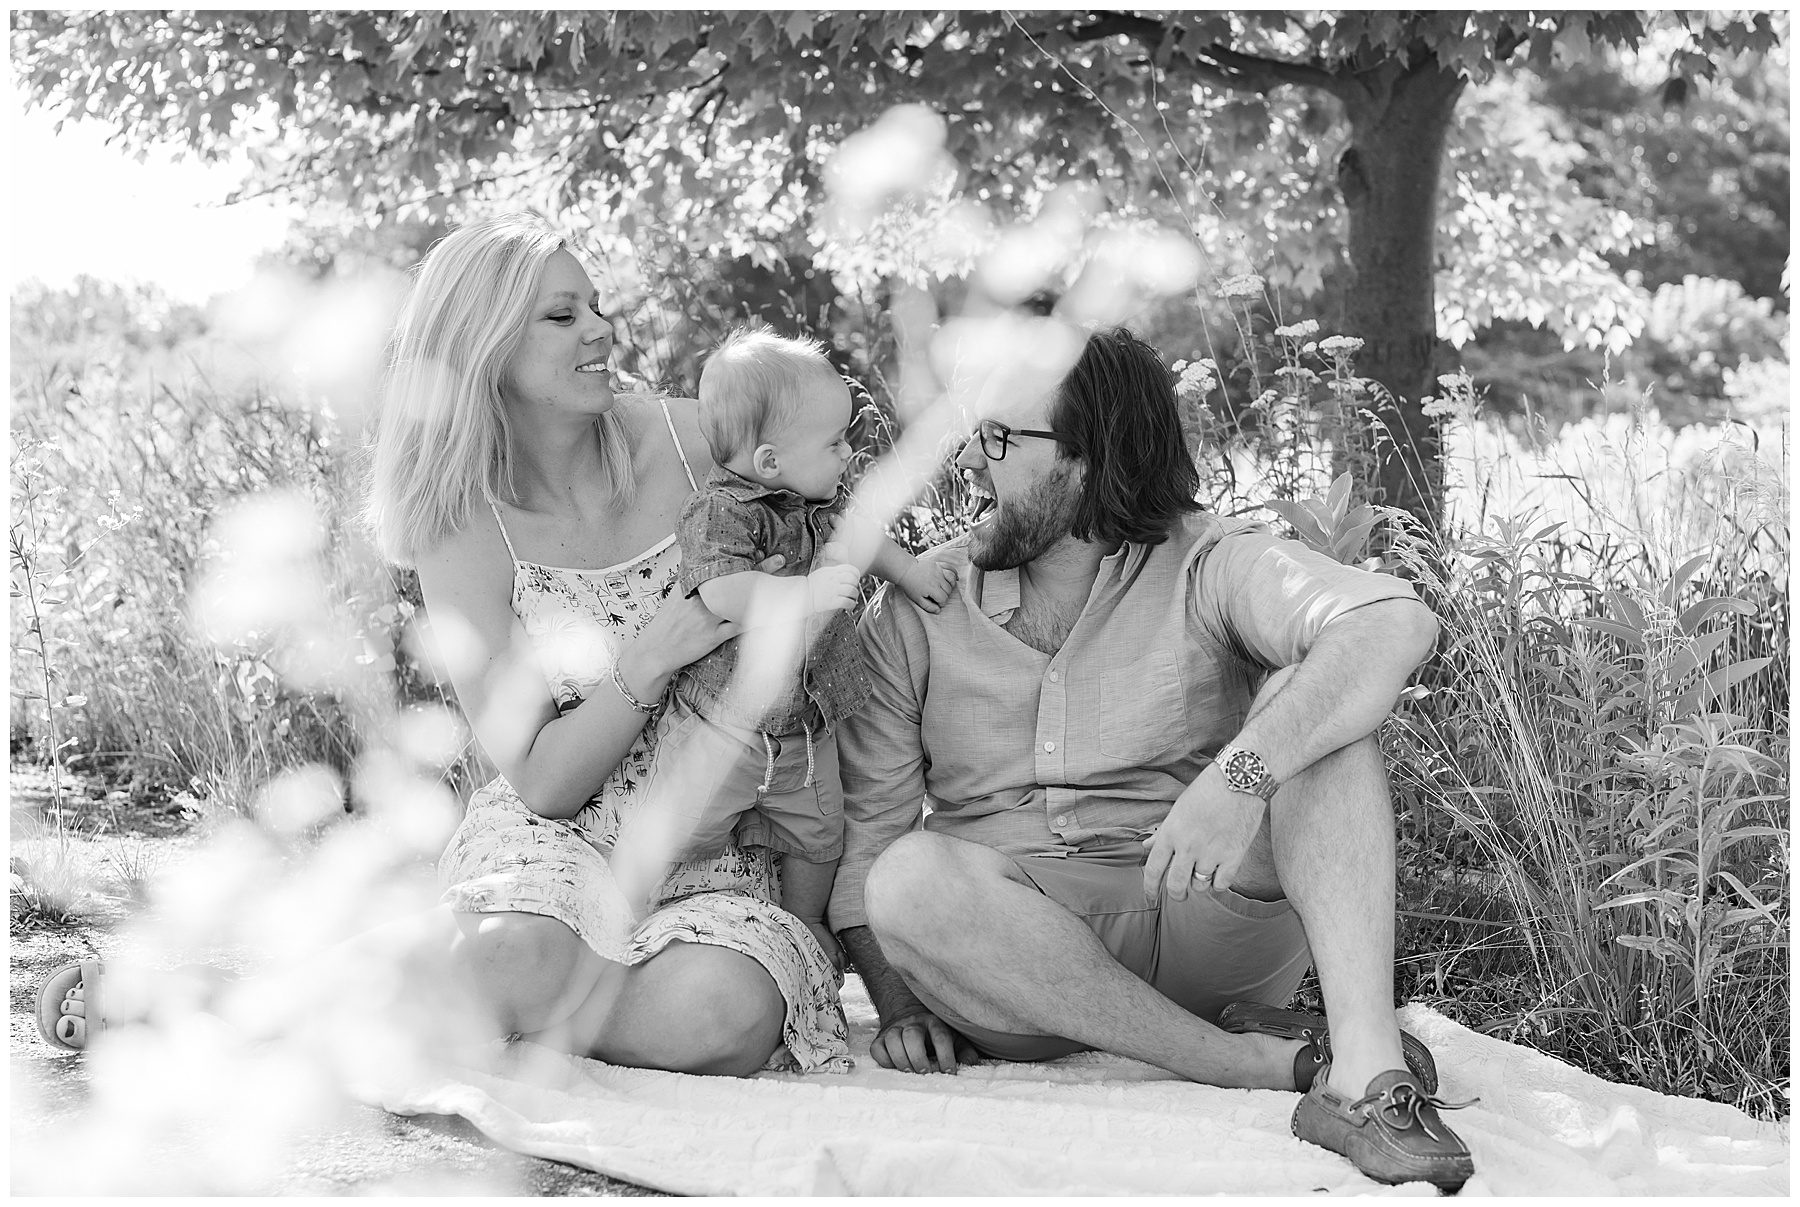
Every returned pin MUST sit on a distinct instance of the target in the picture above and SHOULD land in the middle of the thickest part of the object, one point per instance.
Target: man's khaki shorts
(1203, 953)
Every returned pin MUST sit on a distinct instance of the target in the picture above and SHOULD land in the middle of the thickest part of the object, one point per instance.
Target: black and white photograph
(796, 602)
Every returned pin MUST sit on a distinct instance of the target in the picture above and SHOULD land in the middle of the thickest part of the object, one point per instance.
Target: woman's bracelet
(619, 682)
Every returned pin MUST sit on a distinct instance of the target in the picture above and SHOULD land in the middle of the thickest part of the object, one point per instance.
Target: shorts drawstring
(769, 768)
(769, 748)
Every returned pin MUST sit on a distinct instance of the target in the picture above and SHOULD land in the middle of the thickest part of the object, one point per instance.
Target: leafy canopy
(719, 122)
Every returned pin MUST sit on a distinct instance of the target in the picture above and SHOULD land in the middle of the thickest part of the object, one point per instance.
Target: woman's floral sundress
(504, 857)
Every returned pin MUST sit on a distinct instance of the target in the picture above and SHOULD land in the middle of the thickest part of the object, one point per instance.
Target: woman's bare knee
(531, 970)
(513, 944)
(695, 1008)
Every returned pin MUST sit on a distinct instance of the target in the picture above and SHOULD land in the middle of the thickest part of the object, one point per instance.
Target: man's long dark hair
(1118, 402)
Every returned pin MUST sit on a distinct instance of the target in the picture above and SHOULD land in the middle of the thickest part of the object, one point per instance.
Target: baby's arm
(751, 597)
(927, 584)
(722, 547)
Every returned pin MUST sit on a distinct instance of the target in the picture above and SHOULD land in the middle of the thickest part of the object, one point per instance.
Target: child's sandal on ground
(70, 1006)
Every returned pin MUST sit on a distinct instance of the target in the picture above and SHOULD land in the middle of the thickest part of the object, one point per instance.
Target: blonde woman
(539, 508)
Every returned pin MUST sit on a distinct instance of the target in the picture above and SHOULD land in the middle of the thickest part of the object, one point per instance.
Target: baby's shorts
(714, 779)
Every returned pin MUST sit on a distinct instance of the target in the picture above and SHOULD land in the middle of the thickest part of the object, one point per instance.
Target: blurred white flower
(328, 335)
(267, 573)
(1127, 269)
(415, 813)
(444, 646)
(1033, 256)
(299, 799)
(430, 734)
(902, 155)
(988, 362)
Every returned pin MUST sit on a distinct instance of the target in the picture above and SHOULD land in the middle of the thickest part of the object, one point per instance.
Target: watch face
(1243, 770)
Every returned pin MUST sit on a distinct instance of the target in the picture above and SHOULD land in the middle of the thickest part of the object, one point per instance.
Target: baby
(746, 744)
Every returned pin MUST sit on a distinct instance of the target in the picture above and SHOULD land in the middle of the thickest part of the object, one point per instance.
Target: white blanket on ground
(1088, 1124)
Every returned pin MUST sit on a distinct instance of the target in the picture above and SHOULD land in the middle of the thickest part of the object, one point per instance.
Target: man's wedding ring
(1206, 877)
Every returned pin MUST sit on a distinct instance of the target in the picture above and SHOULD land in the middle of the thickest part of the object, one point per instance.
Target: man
(1142, 738)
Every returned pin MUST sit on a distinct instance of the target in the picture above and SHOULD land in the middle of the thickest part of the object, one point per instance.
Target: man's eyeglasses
(995, 437)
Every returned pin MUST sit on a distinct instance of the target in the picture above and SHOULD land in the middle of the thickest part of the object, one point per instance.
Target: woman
(539, 508)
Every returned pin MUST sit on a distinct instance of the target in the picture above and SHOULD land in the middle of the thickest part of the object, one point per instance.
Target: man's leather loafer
(1310, 1061)
(1392, 1133)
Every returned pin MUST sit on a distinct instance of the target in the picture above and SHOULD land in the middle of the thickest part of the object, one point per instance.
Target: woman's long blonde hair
(443, 440)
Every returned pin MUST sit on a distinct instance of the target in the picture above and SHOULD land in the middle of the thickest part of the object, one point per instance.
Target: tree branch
(1262, 74)
(1216, 63)
(1147, 30)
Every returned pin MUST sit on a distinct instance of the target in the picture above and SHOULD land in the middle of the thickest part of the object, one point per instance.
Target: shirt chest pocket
(1143, 715)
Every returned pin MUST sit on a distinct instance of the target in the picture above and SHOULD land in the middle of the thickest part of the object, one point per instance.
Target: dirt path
(375, 1153)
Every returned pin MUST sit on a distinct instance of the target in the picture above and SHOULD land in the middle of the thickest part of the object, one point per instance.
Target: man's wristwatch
(1246, 772)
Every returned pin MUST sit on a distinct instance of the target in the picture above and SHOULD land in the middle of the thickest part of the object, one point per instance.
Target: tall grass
(144, 465)
(1622, 778)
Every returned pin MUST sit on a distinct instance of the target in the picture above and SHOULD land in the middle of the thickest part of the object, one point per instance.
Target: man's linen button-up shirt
(972, 733)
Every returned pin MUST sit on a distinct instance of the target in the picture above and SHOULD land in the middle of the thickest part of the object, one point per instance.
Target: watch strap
(1231, 760)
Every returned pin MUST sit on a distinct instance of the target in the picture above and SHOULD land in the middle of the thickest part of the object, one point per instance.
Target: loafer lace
(1399, 1107)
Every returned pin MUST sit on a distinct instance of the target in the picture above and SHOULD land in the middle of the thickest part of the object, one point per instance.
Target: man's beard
(1019, 532)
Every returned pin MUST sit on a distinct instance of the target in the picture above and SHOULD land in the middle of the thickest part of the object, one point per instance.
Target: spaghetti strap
(495, 508)
(679, 451)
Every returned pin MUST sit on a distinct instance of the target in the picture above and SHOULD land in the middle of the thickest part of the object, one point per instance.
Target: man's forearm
(887, 989)
(1344, 687)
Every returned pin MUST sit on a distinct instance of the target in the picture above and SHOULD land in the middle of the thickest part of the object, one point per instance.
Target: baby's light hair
(750, 387)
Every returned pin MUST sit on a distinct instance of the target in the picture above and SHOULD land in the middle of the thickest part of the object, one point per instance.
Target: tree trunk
(1389, 179)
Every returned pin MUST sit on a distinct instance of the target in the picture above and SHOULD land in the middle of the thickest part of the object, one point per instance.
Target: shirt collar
(999, 593)
(744, 490)
(1127, 559)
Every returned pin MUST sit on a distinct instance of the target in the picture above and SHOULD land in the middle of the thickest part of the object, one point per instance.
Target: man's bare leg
(1033, 968)
(1333, 829)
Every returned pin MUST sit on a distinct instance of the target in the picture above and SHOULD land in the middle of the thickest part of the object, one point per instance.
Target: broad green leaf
(1672, 593)
(1626, 633)
(1338, 498)
(1626, 609)
(1696, 654)
(1727, 677)
(1693, 616)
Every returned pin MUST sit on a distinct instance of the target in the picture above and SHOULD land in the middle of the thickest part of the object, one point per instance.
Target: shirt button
(1049, 745)
(1056, 676)
(1062, 819)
